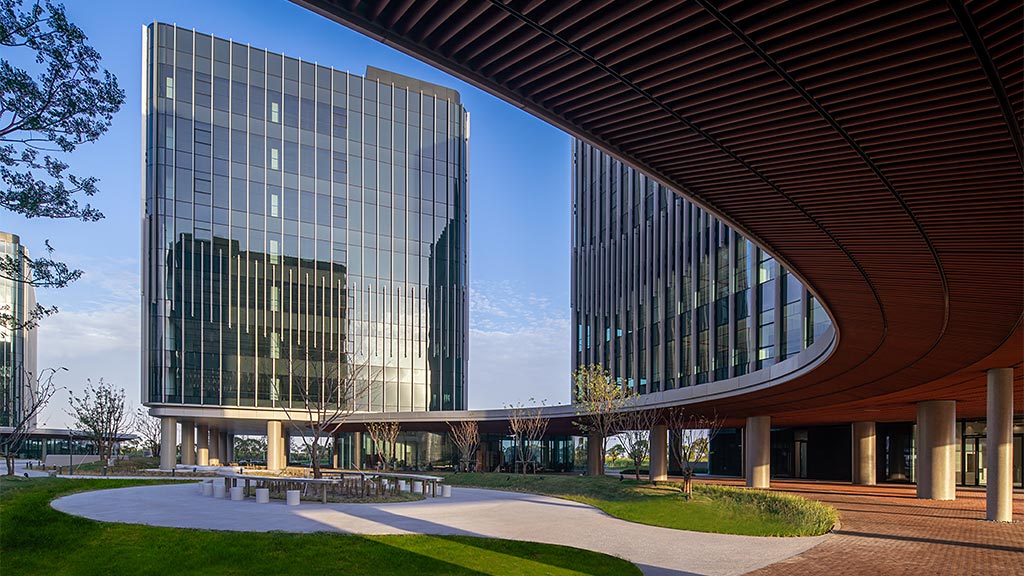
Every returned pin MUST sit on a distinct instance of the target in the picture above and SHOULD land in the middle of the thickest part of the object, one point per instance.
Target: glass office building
(17, 334)
(299, 215)
(665, 295)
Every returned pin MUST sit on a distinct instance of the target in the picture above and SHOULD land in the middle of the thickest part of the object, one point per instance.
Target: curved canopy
(874, 147)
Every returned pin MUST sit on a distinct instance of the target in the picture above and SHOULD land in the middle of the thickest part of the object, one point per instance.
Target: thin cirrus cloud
(519, 347)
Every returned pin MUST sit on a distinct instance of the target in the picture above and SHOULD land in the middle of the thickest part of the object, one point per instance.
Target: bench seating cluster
(340, 484)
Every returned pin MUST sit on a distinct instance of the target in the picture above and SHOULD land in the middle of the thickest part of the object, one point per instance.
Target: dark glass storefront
(825, 453)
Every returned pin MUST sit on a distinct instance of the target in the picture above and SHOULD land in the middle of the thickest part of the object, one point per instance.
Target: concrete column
(757, 448)
(188, 442)
(864, 453)
(168, 442)
(273, 444)
(999, 445)
(659, 453)
(595, 463)
(286, 447)
(222, 448)
(335, 451)
(230, 447)
(203, 445)
(214, 446)
(936, 450)
(357, 450)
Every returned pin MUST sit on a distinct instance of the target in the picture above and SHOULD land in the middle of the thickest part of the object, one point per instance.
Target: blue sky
(519, 210)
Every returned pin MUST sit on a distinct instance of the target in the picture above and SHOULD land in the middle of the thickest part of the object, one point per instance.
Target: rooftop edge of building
(412, 84)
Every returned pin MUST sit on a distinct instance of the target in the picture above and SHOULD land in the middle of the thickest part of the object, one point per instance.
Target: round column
(757, 451)
(203, 445)
(936, 450)
(188, 442)
(274, 445)
(999, 444)
(659, 453)
(168, 442)
(595, 464)
(214, 446)
(864, 453)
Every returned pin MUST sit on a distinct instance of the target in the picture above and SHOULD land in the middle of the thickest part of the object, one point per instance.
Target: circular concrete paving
(469, 512)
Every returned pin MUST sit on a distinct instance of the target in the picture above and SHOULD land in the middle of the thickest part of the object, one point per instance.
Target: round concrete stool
(263, 495)
(446, 491)
(207, 488)
(218, 490)
(237, 493)
(292, 497)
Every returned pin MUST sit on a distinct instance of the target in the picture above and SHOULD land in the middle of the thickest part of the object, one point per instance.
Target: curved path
(469, 512)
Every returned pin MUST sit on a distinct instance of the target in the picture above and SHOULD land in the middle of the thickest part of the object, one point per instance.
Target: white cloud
(520, 346)
(95, 335)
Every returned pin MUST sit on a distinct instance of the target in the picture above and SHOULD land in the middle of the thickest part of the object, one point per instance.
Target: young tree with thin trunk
(328, 393)
(19, 409)
(527, 425)
(466, 436)
(636, 434)
(148, 430)
(695, 434)
(385, 439)
(101, 412)
(599, 402)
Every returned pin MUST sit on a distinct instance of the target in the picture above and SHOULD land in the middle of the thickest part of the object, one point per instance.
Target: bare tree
(385, 439)
(527, 425)
(21, 402)
(599, 401)
(148, 430)
(102, 414)
(636, 434)
(328, 393)
(466, 436)
(695, 434)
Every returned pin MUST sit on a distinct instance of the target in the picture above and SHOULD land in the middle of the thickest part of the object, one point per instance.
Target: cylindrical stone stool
(417, 486)
(238, 493)
(446, 491)
(218, 490)
(292, 497)
(263, 495)
(207, 488)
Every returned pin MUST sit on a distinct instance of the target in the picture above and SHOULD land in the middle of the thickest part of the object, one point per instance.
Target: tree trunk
(10, 463)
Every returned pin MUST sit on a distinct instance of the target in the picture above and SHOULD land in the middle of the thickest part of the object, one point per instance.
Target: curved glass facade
(297, 214)
(664, 295)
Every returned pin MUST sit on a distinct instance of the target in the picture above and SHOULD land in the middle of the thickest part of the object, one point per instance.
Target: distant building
(17, 341)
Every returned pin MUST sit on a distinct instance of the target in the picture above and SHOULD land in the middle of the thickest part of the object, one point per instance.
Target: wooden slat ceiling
(874, 147)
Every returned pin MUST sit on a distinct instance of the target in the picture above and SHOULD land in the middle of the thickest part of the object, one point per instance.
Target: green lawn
(36, 539)
(713, 508)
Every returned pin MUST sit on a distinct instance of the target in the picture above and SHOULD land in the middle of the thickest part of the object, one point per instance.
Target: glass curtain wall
(677, 297)
(17, 336)
(300, 224)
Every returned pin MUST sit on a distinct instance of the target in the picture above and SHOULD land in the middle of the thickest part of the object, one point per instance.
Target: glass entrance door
(974, 461)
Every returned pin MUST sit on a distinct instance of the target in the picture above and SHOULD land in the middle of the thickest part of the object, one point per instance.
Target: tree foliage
(101, 412)
(599, 402)
(21, 402)
(69, 101)
(251, 448)
(466, 437)
(54, 96)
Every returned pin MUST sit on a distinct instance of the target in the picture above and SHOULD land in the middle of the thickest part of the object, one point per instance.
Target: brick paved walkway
(887, 530)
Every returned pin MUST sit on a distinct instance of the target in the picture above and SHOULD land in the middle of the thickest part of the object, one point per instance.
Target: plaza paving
(887, 530)
(469, 512)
